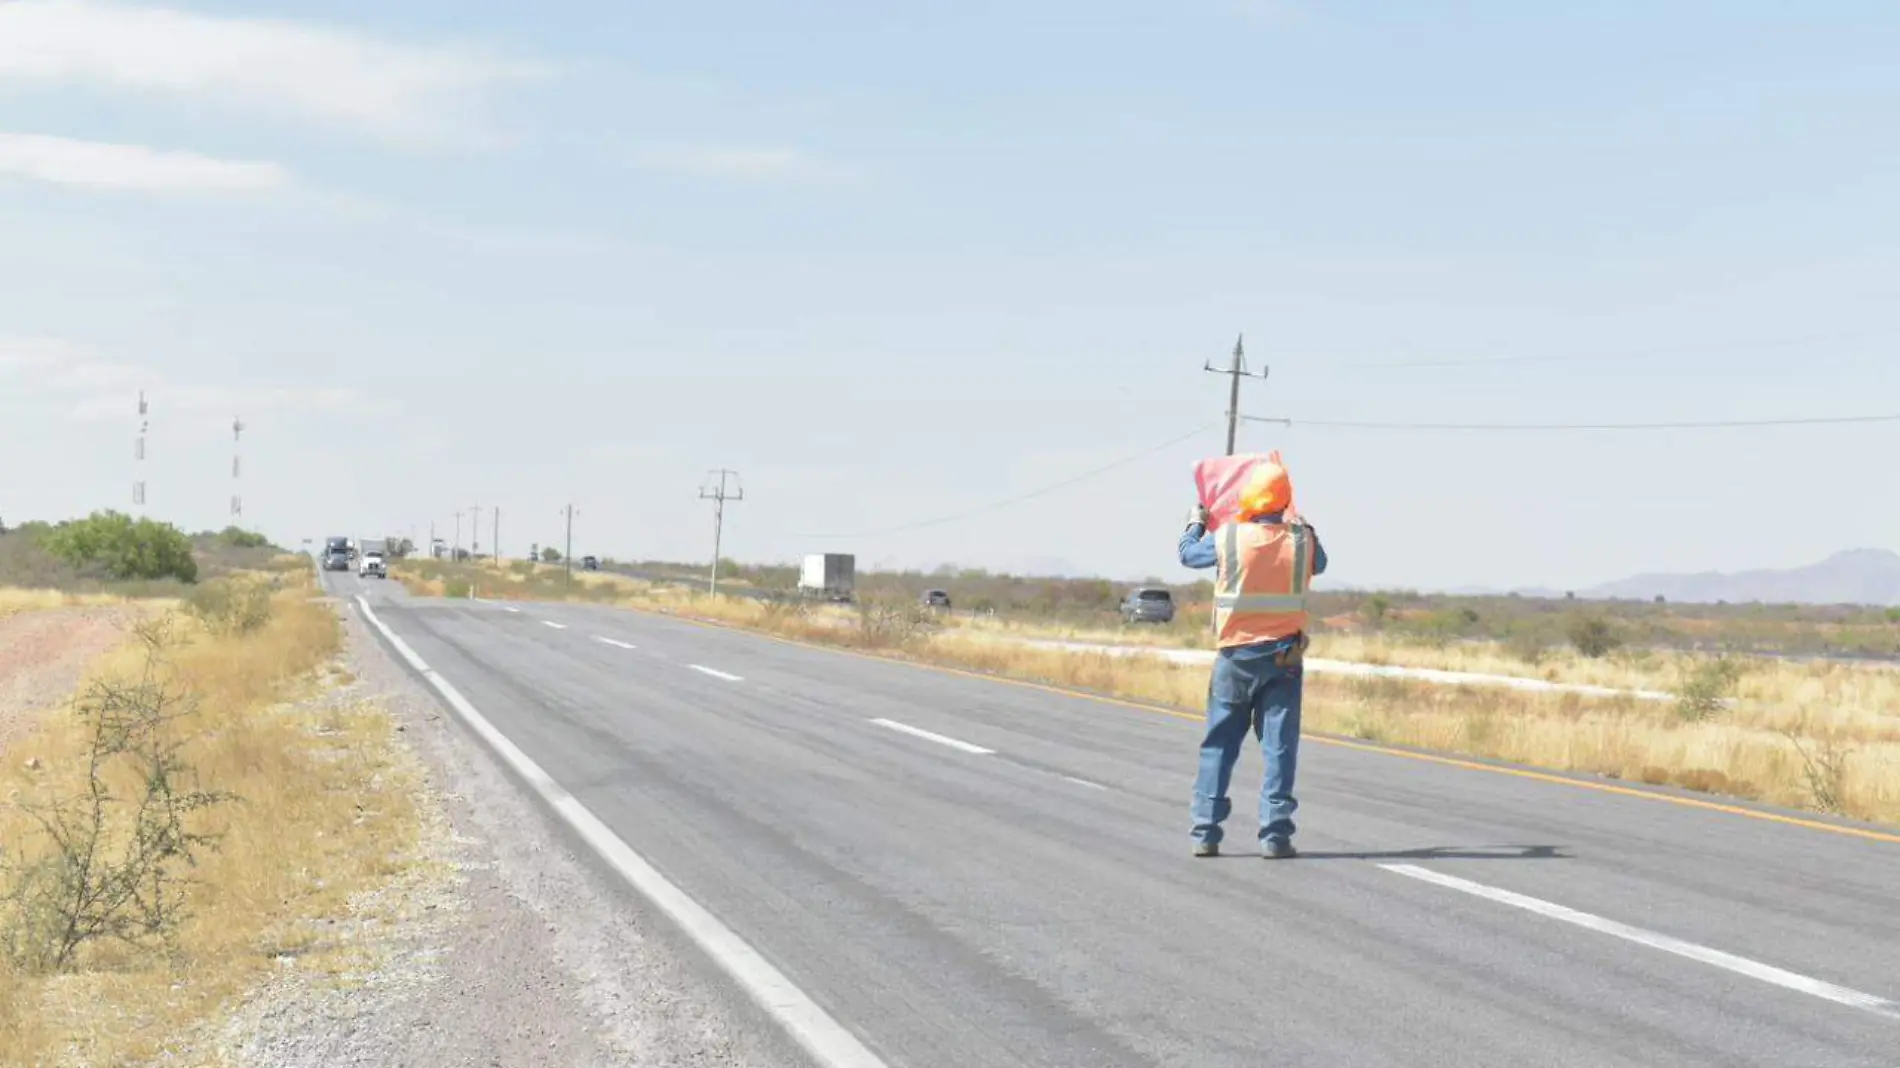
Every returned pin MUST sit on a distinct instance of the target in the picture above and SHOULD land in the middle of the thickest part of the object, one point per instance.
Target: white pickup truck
(372, 564)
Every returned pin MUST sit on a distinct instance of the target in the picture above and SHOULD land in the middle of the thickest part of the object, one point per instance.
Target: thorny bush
(113, 857)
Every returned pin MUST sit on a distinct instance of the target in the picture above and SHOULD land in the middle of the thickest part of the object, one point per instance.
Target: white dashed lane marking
(932, 736)
(1766, 973)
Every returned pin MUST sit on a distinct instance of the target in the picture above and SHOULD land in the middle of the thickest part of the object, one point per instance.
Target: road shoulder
(503, 948)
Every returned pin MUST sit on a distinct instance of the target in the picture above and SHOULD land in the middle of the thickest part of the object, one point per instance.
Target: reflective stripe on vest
(1262, 597)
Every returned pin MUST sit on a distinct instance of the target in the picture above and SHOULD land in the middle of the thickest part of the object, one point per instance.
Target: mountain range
(1857, 576)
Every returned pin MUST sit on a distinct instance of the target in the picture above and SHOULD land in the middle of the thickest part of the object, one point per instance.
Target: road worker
(1264, 559)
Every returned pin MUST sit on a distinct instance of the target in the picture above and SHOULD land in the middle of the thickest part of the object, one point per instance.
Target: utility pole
(719, 495)
(567, 558)
(455, 554)
(431, 549)
(237, 486)
(475, 532)
(494, 546)
(1237, 371)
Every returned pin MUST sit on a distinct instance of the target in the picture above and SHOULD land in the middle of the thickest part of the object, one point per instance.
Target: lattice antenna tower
(237, 468)
(138, 455)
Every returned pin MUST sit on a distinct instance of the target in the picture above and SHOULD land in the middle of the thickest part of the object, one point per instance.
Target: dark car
(936, 599)
(1149, 604)
(590, 563)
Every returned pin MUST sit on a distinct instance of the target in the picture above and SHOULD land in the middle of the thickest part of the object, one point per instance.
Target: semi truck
(828, 576)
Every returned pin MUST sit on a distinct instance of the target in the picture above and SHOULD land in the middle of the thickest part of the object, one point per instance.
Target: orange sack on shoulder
(1223, 481)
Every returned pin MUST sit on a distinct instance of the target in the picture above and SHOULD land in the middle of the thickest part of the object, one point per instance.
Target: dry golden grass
(324, 812)
(15, 601)
(1742, 752)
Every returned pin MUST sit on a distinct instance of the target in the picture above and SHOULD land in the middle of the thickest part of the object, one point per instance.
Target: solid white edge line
(815, 1030)
(1727, 961)
(1084, 782)
(614, 642)
(715, 673)
(511, 608)
(551, 623)
(940, 739)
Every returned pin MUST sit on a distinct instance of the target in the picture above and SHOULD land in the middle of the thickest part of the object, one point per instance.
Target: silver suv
(1149, 604)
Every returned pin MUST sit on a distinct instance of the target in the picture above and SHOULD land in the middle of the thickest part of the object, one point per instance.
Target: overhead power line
(1711, 424)
(1603, 357)
(1021, 497)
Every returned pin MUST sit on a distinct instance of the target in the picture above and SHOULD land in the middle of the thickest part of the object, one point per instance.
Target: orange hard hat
(1268, 490)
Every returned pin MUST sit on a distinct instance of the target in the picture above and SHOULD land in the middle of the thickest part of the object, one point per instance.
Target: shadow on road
(1535, 852)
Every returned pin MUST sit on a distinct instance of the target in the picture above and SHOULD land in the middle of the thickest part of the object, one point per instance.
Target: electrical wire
(1603, 357)
(1712, 424)
(1021, 497)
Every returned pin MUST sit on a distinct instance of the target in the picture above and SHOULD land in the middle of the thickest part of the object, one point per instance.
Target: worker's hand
(1197, 516)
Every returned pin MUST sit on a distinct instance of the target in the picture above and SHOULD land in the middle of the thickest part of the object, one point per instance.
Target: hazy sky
(895, 261)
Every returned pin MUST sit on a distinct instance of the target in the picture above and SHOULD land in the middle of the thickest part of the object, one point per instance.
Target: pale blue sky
(893, 261)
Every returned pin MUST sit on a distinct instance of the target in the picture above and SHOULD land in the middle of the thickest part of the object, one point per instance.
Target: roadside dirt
(44, 657)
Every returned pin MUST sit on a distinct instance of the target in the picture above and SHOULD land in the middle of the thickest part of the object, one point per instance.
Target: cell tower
(138, 456)
(237, 445)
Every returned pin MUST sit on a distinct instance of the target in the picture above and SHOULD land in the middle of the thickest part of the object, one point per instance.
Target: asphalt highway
(966, 872)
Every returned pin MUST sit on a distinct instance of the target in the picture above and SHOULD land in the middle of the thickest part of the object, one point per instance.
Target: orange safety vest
(1263, 571)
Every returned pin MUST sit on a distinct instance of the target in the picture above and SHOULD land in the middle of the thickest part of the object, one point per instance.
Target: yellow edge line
(1343, 743)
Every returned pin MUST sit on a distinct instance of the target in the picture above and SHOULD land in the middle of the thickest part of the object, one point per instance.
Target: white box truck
(828, 575)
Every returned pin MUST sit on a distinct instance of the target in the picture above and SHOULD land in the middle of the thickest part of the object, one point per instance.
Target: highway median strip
(1807, 737)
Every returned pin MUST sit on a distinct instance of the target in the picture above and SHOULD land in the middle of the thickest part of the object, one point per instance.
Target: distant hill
(1858, 576)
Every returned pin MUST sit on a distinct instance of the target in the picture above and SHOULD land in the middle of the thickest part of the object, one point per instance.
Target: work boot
(1207, 849)
(1277, 849)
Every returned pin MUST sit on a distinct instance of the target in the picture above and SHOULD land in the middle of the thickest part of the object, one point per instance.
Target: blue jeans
(1249, 689)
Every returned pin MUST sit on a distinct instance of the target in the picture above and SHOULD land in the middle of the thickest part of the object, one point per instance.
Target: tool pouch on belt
(1290, 658)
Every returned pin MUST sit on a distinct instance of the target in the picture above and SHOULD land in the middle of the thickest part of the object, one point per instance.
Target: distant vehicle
(937, 599)
(336, 554)
(590, 563)
(372, 566)
(379, 546)
(829, 576)
(1149, 604)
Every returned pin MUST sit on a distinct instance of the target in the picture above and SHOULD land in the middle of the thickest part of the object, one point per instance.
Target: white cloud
(31, 353)
(103, 390)
(626, 452)
(315, 72)
(740, 163)
(99, 165)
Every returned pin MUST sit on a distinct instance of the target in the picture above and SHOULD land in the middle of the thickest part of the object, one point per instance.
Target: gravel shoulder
(502, 946)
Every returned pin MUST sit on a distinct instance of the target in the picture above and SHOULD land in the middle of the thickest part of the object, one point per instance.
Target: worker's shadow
(1534, 852)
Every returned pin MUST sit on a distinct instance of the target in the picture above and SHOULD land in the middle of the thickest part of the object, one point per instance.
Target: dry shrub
(1707, 688)
(887, 624)
(1824, 764)
(231, 606)
(113, 855)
